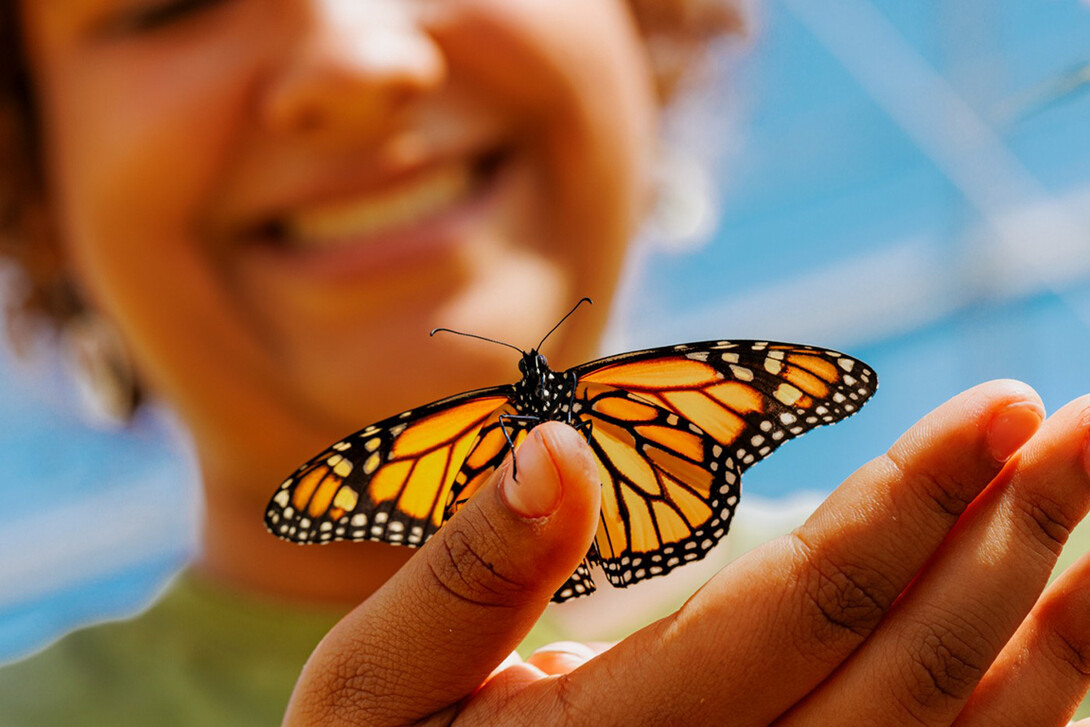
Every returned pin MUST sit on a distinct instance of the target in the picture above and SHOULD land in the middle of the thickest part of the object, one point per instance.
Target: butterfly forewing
(387, 482)
(493, 443)
(750, 396)
(486, 454)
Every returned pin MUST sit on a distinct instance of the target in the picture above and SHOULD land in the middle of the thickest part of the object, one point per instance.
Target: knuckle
(1072, 651)
(844, 598)
(945, 665)
(571, 707)
(946, 495)
(1049, 522)
(466, 569)
(350, 693)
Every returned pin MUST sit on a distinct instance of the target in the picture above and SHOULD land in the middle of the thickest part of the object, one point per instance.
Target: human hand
(913, 595)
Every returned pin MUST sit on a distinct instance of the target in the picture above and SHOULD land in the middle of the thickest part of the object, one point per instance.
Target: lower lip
(431, 241)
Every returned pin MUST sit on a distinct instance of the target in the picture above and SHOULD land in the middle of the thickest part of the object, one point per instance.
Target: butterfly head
(536, 374)
(533, 365)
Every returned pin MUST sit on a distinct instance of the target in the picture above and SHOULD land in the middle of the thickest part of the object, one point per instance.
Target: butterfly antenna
(474, 335)
(581, 302)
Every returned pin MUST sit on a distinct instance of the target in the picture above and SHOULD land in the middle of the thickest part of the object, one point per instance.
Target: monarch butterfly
(672, 430)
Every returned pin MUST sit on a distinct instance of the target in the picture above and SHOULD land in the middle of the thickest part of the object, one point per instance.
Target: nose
(352, 66)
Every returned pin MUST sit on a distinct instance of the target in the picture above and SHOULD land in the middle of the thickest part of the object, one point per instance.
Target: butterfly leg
(503, 419)
(584, 427)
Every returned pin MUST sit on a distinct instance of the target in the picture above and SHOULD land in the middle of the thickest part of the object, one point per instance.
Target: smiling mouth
(426, 197)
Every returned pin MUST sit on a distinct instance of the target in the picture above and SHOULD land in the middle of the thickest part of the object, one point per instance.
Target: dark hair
(676, 32)
(26, 236)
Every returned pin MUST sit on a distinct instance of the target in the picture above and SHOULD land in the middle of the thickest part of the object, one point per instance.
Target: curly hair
(26, 237)
(676, 33)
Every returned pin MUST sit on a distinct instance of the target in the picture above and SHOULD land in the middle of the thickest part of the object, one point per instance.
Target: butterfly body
(543, 393)
(672, 430)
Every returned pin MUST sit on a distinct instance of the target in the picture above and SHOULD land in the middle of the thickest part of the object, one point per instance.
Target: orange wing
(389, 482)
(485, 456)
(674, 428)
(668, 491)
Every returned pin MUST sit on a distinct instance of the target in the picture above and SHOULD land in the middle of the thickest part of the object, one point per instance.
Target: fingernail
(512, 659)
(536, 493)
(1011, 428)
(573, 648)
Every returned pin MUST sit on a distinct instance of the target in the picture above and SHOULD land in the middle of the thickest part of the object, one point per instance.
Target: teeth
(339, 223)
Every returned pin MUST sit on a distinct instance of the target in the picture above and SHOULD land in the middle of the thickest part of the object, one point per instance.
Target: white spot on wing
(741, 373)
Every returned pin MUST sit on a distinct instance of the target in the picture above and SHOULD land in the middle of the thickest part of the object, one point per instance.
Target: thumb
(438, 628)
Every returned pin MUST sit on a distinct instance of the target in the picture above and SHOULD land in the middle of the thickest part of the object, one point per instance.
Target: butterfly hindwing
(387, 482)
(580, 583)
(668, 488)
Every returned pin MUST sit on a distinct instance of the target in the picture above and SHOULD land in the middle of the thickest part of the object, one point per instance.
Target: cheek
(138, 138)
(136, 144)
(589, 109)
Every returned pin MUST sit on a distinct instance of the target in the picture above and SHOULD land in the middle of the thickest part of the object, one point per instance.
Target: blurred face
(276, 200)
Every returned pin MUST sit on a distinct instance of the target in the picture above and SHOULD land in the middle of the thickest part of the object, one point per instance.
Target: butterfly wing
(388, 482)
(484, 457)
(667, 493)
(493, 442)
(674, 428)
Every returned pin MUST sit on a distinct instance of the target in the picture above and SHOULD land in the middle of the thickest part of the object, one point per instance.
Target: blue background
(909, 182)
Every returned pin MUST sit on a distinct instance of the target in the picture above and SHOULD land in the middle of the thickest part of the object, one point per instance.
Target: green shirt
(201, 655)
